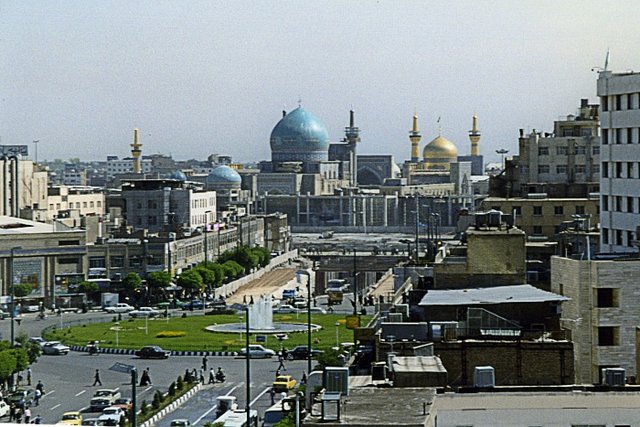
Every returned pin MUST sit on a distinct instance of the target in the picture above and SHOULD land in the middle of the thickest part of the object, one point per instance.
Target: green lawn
(193, 336)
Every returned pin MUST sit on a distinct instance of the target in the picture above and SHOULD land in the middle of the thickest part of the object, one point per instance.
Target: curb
(171, 407)
(173, 353)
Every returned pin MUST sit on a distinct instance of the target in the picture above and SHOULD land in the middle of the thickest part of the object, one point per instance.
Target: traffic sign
(122, 367)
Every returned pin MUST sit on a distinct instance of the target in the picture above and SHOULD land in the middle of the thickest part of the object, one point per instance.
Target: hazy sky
(202, 77)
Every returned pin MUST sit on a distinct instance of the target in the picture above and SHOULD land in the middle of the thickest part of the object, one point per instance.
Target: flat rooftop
(494, 295)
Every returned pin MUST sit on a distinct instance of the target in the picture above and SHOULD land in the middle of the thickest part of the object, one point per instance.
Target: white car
(256, 351)
(55, 348)
(144, 312)
(121, 307)
(111, 415)
(285, 309)
(4, 408)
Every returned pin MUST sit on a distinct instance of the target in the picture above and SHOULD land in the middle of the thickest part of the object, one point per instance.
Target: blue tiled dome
(223, 174)
(179, 175)
(299, 136)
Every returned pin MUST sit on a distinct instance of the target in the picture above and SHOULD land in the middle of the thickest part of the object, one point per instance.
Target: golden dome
(439, 153)
(440, 148)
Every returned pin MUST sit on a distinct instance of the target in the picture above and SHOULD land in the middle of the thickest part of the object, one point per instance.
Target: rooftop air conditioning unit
(537, 196)
(484, 376)
(613, 376)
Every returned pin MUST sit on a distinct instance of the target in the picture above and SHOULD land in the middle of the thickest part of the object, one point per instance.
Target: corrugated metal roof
(493, 295)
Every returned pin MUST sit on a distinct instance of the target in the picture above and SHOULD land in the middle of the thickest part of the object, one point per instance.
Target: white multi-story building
(117, 166)
(620, 157)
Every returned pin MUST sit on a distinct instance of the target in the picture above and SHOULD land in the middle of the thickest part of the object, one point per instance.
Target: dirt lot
(271, 283)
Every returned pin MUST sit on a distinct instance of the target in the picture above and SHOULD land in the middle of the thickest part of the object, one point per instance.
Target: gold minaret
(415, 137)
(136, 152)
(474, 137)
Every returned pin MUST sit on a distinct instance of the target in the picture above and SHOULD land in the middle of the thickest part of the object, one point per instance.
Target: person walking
(212, 376)
(272, 395)
(96, 378)
(12, 411)
(201, 376)
(204, 363)
(27, 415)
(29, 375)
(36, 397)
(281, 360)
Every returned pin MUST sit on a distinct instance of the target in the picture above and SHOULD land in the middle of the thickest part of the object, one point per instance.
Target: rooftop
(494, 295)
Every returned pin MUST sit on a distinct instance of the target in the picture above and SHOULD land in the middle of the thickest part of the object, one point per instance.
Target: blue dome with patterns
(223, 175)
(179, 176)
(299, 136)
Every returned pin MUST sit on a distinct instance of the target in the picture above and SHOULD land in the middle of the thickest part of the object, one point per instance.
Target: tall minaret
(352, 134)
(136, 152)
(415, 137)
(474, 137)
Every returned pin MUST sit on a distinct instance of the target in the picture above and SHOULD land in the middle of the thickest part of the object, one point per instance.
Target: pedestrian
(201, 376)
(12, 411)
(37, 419)
(212, 376)
(27, 415)
(281, 365)
(187, 376)
(18, 415)
(19, 379)
(40, 386)
(303, 380)
(204, 363)
(29, 375)
(36, 397)
(96, 378)
(272, 395)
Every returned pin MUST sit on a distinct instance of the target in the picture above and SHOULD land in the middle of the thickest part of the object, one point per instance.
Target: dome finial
(439, 126)
(299, 101)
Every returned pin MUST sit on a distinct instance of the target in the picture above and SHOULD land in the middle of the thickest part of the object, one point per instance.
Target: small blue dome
(299, 136)
(223, 174)
(179, 176)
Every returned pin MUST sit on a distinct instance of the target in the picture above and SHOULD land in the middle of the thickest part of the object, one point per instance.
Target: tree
(22, 290)
(32, 349)
(191, 280)
(208, 276)
(330, 357)
(22, 358)
(243, 256)
(218, 272)
(159, 279)
(88, 287)
(7, 365)
(232, 269)
(132, 282)
(263, 254)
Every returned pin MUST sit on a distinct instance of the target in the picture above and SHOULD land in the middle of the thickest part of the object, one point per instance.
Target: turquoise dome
(179, 176)
(299, 136)
(223, 175)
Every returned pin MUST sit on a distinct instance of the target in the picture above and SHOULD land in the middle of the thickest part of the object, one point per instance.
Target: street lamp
(11, 282)
(248, 364)
(502, 153)
(306, 273)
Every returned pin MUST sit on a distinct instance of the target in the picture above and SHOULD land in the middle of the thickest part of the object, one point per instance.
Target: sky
(203, 77)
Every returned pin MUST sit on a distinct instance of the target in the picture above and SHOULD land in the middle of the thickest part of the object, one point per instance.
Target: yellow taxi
(73, 418)
(284, 383)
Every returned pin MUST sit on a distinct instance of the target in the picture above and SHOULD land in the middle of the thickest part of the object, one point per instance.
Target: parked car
(38, 340)
(4, 314)
(4, 408)
(22, 395)
(152, 352)
(73, 418)
(256, 351)
(103, 398)
(121, 307)
(180, 422)
(91, 422)
(111, 416)
(283, 383)
(55, 348)
(196, 304)
(300, 353)
(144, 312)
(318, 310)
(285, 309)
(124, 403)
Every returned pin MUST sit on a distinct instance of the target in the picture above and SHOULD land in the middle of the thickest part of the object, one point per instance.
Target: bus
(238, 418)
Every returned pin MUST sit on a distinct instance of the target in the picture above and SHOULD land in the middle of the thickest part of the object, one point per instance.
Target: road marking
(54, 407)
(83, 409)
(147, 389)
(82, 392)
(214, 407)
(49, 392)
(259, 396)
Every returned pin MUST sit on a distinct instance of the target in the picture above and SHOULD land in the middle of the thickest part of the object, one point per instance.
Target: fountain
(261, 320)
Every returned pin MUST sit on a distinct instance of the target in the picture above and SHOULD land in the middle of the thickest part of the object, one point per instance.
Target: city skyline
(214, 77)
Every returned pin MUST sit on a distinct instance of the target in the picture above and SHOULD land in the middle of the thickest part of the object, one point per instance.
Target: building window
(618, 99)
(117, 261)
(618, 203)
(607, 297)
(629, 169)
(537, 210)
(619, 238)
(630, 239)
(630, 101)
(561, 151)
(630, 204)
(581, 149)
(543, 151)
(579, 168)
(579, 209)
(517, 210)
(605, 236)
(596, 168)
(558, 210)
(605, 203)
(90, 204)
(543, 168)
(608, 335)
(618, 133)
(604, 101)
(618, 169)
(605, 136)
(595, 150)
(629, 135)
(561, 169)
(537, 230)
(97, 262)
(605, 169)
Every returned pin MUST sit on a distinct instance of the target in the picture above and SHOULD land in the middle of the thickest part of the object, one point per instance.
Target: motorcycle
(220, 376)
(93, 348)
